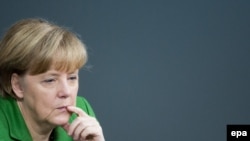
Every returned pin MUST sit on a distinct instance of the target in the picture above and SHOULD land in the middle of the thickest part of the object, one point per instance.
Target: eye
(49, 80)
(73, 78)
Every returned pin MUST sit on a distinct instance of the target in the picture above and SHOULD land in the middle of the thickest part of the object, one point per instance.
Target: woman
(39, 66)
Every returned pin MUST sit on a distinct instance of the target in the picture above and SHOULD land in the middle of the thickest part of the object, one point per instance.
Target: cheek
(40, 109)
(43, 101)
(45, 106)
(74, 91)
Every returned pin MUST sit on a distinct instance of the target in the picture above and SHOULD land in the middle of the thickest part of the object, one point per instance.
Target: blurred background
(169, 70)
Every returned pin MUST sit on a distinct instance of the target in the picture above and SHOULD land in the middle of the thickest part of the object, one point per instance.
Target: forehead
(57, 72)
(49, 73)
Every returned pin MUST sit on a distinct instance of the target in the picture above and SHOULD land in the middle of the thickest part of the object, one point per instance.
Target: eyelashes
(53, 80)
(49, 80)
(73, 78)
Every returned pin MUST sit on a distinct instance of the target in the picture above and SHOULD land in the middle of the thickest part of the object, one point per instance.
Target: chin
(61, 119)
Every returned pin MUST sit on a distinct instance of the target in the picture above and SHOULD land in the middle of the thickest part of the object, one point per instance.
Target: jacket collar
(17, 127)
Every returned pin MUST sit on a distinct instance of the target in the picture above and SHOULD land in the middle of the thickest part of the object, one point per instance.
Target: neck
(39, 130)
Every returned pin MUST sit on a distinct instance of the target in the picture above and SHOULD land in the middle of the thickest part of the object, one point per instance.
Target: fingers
(77, 110)
(91, 133)
(84, 127)
(76, 128)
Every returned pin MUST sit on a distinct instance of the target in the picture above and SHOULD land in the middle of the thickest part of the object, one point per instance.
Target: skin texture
(48, 100)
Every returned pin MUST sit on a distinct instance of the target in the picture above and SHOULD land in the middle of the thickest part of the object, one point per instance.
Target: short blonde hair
(35, 45)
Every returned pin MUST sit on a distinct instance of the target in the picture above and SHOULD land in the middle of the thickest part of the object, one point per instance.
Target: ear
(16, 84)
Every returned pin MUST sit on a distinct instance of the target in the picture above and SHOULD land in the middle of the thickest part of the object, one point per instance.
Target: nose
(64, 89)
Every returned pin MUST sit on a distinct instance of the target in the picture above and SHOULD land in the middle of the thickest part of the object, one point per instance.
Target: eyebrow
(53, 73)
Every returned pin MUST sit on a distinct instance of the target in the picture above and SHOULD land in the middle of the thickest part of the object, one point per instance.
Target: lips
(62, 107)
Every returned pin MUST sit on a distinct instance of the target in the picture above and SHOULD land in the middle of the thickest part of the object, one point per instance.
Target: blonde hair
(35, 45)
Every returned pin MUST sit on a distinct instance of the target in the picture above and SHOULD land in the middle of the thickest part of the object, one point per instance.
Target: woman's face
(46, 95)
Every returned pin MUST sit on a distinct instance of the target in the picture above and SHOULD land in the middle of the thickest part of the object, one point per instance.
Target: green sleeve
(82, 103)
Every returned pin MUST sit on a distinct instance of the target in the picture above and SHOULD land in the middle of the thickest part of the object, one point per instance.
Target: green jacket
(13, 127)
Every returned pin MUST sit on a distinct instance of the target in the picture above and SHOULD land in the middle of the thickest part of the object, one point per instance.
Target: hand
(84, 127)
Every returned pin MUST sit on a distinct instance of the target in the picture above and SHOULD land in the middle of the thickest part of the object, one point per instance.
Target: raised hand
(84, 127)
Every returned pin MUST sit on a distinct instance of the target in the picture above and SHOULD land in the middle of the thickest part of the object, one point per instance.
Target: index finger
(77, 110)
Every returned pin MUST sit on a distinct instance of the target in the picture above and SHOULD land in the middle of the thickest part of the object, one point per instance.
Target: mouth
(62, 108)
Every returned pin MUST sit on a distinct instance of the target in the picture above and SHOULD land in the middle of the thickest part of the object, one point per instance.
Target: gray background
(158, 70)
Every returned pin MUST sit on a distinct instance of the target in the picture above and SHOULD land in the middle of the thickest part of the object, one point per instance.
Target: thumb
(66, 126)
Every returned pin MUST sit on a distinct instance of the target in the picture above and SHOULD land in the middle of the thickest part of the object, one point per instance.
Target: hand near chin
(84, 127)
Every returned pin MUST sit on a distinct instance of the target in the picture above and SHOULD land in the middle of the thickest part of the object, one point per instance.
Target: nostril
(63, 96)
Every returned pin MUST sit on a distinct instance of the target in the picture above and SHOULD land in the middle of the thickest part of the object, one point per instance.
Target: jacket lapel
(18, 128)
